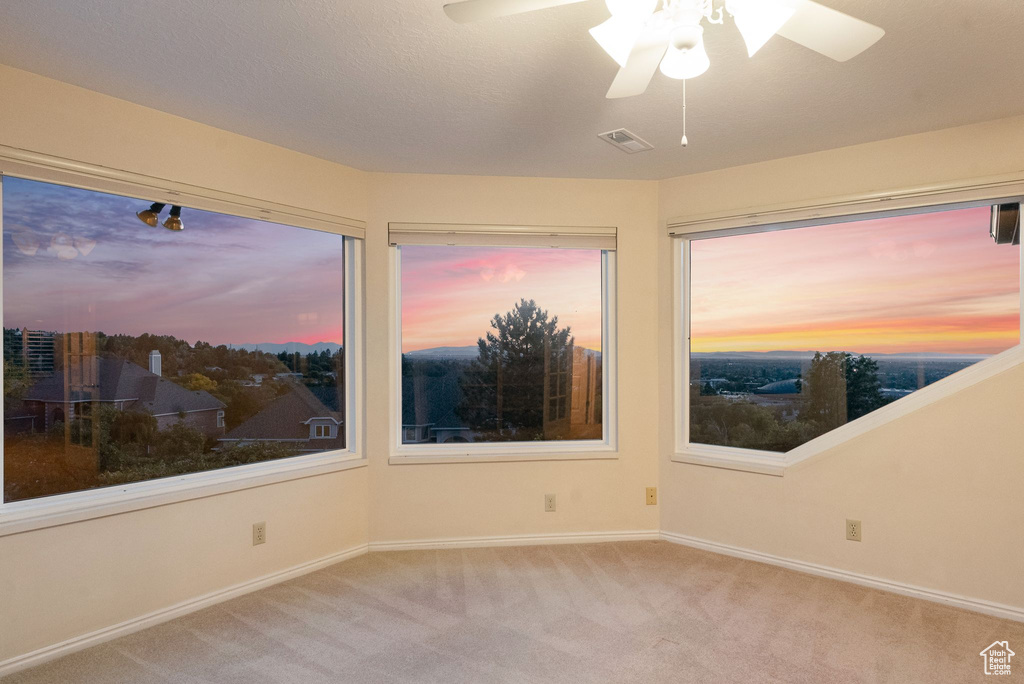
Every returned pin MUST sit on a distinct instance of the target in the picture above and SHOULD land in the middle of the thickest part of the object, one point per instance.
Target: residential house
(299, 419)
(76, 391)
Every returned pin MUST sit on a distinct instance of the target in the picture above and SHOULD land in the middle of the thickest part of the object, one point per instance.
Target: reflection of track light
(152, 215)
(26, 242)
(173, 221)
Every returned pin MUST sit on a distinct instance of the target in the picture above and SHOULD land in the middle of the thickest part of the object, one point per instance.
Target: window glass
(134, 352)
(796, 332)
(501, 344)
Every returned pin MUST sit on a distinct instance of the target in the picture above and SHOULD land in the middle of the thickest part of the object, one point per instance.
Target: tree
(716, 420)
(198, 381)
(826, 404)
(842, 388)
(863, 387)
(16, 380)
(179, 442)
(503, 388)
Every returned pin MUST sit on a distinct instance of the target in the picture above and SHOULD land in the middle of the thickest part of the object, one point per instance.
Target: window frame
(842, 210)
(59, 509)
(476, 452)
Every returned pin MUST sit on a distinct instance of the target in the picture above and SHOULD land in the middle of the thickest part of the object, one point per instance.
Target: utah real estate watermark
(997, 658)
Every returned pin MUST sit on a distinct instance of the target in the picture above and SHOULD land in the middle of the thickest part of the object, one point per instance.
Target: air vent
(626, 141)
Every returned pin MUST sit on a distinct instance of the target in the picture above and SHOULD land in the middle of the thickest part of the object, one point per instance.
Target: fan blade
(475, 10)
(633, 78)
(828, 31)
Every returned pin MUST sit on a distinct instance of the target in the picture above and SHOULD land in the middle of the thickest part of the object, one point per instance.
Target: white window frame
(475, 452)
(828, 212)
(59, 509)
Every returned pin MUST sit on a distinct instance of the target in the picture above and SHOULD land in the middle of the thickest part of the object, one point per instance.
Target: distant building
(785, 396)
(298, 419)
(88, 381)
(38, 351)
(791, 386)
(573, 394)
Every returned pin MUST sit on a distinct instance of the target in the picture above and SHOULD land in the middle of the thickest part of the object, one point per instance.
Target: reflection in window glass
(796, 332)
(500, 344)
(134, 352)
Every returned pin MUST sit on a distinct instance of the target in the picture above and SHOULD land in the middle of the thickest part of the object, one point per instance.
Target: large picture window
(502, 345)
(134, 352)
(795, 332)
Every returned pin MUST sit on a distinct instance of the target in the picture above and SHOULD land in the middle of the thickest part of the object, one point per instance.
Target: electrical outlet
(259, 533)
(652, 496)
(853, 530)
(549, 503)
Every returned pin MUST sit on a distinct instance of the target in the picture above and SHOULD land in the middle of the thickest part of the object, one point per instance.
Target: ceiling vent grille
(626, 141)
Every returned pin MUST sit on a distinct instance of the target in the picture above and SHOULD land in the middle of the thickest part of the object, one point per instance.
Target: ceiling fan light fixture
(758, 20)
(617, 36)
(684, 62)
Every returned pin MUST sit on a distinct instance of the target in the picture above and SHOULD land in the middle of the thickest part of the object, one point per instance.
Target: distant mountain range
(290, 347)
(783, 354)
(469, 352)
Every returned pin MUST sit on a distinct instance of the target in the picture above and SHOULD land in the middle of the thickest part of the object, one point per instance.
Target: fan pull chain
(684, 141)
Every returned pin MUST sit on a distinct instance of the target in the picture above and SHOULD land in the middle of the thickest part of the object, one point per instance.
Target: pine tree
(503, 388)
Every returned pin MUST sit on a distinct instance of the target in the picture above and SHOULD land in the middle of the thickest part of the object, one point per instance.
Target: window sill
(433, 458)
(63, 509)
(750, 462)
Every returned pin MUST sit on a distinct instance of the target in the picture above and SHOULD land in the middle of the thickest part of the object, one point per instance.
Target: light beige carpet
(622, 612)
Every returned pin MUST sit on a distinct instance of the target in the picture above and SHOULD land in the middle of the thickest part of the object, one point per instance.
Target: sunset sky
(76, 260)
(450, 294)
(921, 283)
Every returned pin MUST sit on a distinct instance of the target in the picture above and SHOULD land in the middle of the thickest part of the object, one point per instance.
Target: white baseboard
(99, 636)
(516, 540)
(47, 653)
(999, 610)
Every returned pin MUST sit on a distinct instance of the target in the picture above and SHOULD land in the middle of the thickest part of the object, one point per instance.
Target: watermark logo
(997, 658)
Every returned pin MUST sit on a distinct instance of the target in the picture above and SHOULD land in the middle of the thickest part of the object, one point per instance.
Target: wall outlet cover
(259, 533)
(853, 530)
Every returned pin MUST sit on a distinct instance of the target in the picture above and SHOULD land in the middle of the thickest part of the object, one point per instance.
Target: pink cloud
(917, 273)
(450, 294)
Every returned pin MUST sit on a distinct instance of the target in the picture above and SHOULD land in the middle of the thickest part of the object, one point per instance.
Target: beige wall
(412, 502)
(65, 581)
(939, 490)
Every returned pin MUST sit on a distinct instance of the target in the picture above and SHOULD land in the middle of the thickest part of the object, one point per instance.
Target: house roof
(121, 380)
(287, 418)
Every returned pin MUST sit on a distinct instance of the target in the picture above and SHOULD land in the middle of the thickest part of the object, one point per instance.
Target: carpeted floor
(621, 612)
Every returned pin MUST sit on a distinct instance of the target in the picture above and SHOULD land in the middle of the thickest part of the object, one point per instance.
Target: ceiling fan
(640, 35)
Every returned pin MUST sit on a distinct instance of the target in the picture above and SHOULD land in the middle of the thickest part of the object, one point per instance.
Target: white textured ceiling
(393, 85)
